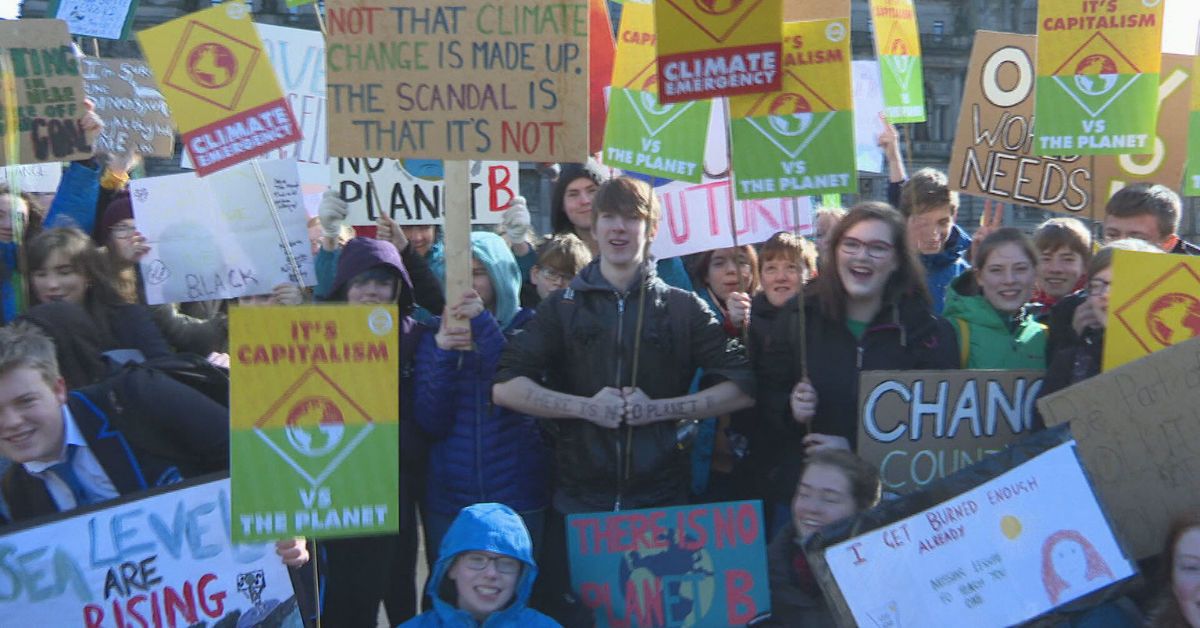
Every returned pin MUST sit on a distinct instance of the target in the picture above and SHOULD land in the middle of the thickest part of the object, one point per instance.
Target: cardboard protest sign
(696, 218)
(713, 48)
(799, 140)
(898, 48)
(868, 106)
(446, 81)
(298, 58)
(921, 426)
(314, 412)
(215, 238)
(46, 90)
(33, 177)
(163, 559)
(993, 154)
(107, 19)
(1097, 76)
(998, 554)
(222, 92)
(643, 134)
(134, 112)
(412, 190)
(701, 565)
(1137, 426)
(1153, 303)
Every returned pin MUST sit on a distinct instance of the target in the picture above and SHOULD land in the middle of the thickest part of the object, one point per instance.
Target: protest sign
(1003, 552)
(868, 106)
(993, 154)
(163, 558)
(46, 90)
(10, 9)
(921, 426)
(898, 48)
(298, 57)
(1153, 303)
(710, 49)
(33, 177)
(314, 412)
(222, 92)
(1137, 428)
(446, 81)
(135, 115)
(1191, 180)
(1097, 76)
(215, 238)
(696, 218)
(412, 190)
(643, 134)
(701, 565)
(799, 140)
(107, 19)
(601, 52)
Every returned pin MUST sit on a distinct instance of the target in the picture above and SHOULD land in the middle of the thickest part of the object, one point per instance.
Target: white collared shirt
(87, 469)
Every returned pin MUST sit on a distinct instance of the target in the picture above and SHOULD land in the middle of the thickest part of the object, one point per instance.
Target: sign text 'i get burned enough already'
(495, 80)
(220, 86)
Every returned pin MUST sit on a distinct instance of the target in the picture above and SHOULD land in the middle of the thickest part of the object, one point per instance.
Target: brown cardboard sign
(921, 426)
(134, 112)
(46, 88)
(476, 80)
(993, 144)
(1138, 430)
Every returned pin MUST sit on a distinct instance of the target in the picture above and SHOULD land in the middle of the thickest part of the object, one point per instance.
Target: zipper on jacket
(620, 364)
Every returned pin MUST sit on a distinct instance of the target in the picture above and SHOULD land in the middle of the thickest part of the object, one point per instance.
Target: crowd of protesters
(586, 377)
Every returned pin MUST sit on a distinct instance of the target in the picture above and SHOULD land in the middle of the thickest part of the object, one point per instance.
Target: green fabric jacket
(992, 341)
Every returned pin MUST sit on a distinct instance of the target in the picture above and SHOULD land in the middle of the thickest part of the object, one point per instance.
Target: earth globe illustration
(717, 7)
(687, 577)
(650, 104)
(1174, 318)
(1096, 74)
(212, 65)
(792, 125)
(315, 426)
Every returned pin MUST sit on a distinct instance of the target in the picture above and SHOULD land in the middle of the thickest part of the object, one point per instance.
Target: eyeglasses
(122, 231)
(877, 249)
(553, 275)
(1099, 286)
(479, 562)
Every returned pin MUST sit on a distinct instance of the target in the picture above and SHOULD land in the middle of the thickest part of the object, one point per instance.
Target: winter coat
(583, 339)
(796, 599)
(333, 278)
(943, 267)
(479, 451)
(491, 528)
(903, 336)
(995, 341)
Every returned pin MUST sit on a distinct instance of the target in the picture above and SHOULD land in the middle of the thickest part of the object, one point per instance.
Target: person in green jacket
(988, 306)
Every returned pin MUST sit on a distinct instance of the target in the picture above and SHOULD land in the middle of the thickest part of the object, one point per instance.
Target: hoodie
(995, 341)
(491, 528)
(941, 268)
(360, 255)
(493, 252)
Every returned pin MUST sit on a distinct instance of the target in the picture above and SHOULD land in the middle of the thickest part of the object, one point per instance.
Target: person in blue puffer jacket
(484, 575)
(479, 451)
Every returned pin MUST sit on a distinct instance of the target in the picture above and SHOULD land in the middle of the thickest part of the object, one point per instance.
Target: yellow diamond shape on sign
(1154, 303)
(211, 65)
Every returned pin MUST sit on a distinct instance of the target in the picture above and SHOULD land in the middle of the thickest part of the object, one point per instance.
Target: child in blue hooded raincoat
(484, 574)
(478, 451)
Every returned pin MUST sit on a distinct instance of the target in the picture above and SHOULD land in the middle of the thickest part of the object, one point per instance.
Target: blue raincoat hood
(486, 527)
(502, 267)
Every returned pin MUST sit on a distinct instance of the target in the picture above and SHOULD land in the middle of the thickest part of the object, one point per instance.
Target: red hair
(1054, 584)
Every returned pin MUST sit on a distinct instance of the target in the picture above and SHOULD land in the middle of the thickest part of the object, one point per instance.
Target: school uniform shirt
(87, 468)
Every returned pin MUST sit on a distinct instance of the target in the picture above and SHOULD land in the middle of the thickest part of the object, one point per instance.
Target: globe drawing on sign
(1174, 318)
(315, 426)
(789, 103)
(717, 7)
(651, 105)
(427, 169)
(792, 125)
(212, 65)
(684, 578)
(1096, 74)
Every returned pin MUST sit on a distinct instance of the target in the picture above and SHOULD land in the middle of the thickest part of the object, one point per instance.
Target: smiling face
(1185, 575)
(866, 259)
(622, 238)
(421, 237)
(1059, 271)
(6, 215)
(59, 280)
(823, 497)
(577, 202)
(1006, 278)
(485, 581)
(929, 230)
(781, 280)
(31, 422)
(728, 270)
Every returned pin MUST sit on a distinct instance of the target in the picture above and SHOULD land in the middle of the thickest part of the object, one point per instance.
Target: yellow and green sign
(315, 421)
(898, 47)
(1098, 63)
(799, 141)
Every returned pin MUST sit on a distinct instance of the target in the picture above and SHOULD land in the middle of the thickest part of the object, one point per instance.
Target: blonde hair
(23, 345)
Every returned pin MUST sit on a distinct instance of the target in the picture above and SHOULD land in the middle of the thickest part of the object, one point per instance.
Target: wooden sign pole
(457, 232)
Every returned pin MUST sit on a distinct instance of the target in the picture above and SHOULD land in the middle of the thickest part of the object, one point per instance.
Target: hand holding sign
(294, 552)
(803, 401)
(387, 229)
(821, 442)
(739, 308)
(91, 123)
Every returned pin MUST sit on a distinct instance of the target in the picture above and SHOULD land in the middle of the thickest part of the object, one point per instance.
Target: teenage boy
(931, 208)
(559, 259)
